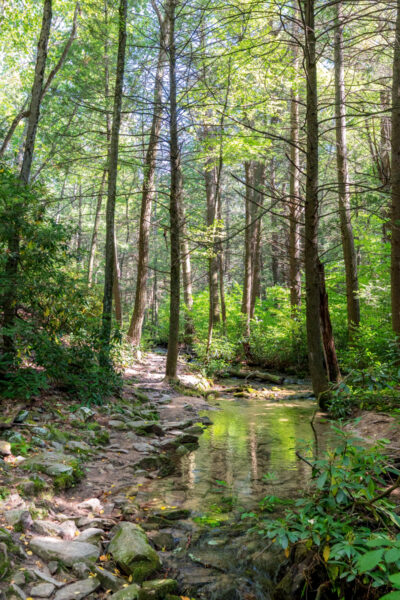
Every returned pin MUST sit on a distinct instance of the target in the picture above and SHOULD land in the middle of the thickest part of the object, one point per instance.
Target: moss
(102, 438)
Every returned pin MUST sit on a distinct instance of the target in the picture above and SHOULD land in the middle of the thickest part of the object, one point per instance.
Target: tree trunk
(349, 253)
(116, 286)
(148, 192)
(9, 296)
(93, 243)
(210, 176)
(175, 200)
(186, 278)
(314, 342)
(259, 184)
(395, 193)
(248, 254)
(332, 365)
(295, 208)
(112, 183)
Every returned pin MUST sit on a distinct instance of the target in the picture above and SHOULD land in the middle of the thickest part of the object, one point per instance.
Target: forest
(200, 299)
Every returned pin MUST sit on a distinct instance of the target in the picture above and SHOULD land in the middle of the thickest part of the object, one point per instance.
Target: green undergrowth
(347, 522)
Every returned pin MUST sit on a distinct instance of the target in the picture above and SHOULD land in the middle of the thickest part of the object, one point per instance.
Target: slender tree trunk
(210, 176)
(116, 285)
(295, 208)
(112, 181)
(186, 278)
(93, 243)
(395, 193)
(221, 264)
(260, 174)
(311, 260)
(248, 273)
(9, 296)
(148, 191)
(332, 364)
(175, 201)
(349, 253)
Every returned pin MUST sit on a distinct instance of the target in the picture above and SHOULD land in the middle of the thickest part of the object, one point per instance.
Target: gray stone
(19, 578)
(5, 448)
(5, 564)
(92, 504)
(143, 447)
(44, 577)
(132, 552)
(91, 535)
(78, 447)
(14, 591)
(52, 566)
(13, 517)
(68, 530)
(78, 590)
(163, 541)
(84, 413)
(108, 580)
(65, 551)
(42, 527)
(129, 593)
(52, 463)
(21, 416)
(37, 441)
(81, 570)
(42, 590)
(42, 432)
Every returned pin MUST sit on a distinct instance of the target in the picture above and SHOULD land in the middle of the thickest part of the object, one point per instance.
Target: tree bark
(93, 243)
(395, 192)
(210, 176)
(248, 254)
(9, 296)
(349, 253)
(259, 184)
(311, 260)
(175, 200)
(116, 285)
(332, 364)
(148, 192)
(295, 208)
(112, 183)
(186, 278)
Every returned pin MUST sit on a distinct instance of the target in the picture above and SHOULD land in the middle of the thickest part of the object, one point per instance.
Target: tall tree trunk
(9, 296)
(148, 192)
(331, 361)
(186, 277)
(349, 253)
(259, 184)
(116, 285)
(395, 193)
(175, 201)
(112, 182)
(248, 254)
(210, 176)
(295, 208)
(93, 243)
(221, 265)
(311, 260)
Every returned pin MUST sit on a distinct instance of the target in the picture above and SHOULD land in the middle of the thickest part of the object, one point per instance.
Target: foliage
(347, 519)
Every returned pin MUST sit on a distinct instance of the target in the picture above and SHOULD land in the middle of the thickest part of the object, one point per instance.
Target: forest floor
(75, 479)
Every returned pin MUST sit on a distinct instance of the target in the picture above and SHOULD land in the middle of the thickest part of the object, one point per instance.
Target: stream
(247, 452)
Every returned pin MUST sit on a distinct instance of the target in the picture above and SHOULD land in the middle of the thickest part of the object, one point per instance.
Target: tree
(395, 192)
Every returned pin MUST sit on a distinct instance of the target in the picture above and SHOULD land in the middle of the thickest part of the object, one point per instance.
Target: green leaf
(392, 555)
(369, 560)
(395, 579)
(391, 596)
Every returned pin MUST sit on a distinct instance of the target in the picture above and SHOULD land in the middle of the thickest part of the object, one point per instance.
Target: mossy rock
(132, 552)
(157, 589)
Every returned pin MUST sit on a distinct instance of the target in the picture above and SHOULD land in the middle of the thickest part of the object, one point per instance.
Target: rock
(117, 424)
(52, 566)
(195, 430)
(129, 593)
(37, 441)
(163, 541)
(173, 514)
(132, 552)
(19, 578)
(81, 570)
(78, 590)
(13, 517)
(157, 589)
(5, 448)
(14, 591)
(108, 580)
(62, 467)
(42, 590)
(65, 551)
(21, 416)
(78, 447)
(92, 504)
(26, 521)
(5, 564)
(44, 577)
(145, 427)
(68, 530)
(92, 535)
(42, 432)
(143, 447)
(46, 528)
(84, 413)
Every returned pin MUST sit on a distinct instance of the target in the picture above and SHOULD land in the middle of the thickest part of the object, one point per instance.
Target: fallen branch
(242, 374)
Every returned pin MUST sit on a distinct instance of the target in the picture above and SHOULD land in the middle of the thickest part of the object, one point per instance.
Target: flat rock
(92, 504)
(42, 527)
(78, 590)
(5, 448)
(47, 578)
(42, 590)
(92, 535)
(67, 552)
(108, 580)
(157, 589)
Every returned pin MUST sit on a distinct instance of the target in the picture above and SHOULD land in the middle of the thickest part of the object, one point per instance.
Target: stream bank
(180, 468)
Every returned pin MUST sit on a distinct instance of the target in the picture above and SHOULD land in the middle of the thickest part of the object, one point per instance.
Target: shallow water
(249, 451)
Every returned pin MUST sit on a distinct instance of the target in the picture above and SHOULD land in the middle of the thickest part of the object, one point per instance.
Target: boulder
(157, 589)
(65, 551)
(78, 590)
(131, 592)
(132, 552)
(108, 580)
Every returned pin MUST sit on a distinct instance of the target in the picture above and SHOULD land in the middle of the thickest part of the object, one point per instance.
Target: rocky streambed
(141, 498)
